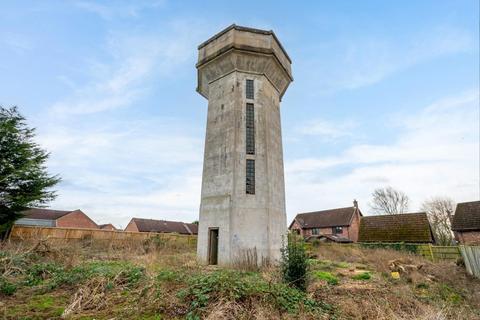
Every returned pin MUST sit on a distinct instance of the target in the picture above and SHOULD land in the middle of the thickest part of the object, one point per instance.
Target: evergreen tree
(24, 180)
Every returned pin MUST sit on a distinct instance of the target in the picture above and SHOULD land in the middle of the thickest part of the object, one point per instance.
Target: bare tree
(388, 200)
(440, 211)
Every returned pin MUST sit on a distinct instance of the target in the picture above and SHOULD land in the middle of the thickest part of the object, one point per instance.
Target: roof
(151, 225)
(467, 216)
(407, 227)
(326, 218)
(45, 214)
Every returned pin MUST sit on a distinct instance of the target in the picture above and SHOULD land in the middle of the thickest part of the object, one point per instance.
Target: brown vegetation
(158, 280)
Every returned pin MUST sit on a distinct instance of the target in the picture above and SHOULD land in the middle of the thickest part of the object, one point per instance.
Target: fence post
(431, 252)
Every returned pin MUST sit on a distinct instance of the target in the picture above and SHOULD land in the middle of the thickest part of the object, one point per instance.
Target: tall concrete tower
(243, 72)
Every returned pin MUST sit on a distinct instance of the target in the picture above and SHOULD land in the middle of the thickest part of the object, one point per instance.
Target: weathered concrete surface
(248, 224)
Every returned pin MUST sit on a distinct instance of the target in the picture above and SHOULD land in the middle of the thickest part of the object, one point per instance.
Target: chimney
(355, 203)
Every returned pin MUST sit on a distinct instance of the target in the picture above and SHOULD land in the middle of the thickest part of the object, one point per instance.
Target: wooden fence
(428, 251)
(29, 233)
(471, 257)
(436, 253)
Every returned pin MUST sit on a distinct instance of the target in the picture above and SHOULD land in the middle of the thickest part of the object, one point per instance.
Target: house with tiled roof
(56, 218)
(406, 227)
(107, 226)
(466, 223)
(332, 225)
(161, 226)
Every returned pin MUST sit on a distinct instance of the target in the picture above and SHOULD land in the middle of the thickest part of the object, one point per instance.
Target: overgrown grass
(327, 276)
(362, 276)
(168, 284)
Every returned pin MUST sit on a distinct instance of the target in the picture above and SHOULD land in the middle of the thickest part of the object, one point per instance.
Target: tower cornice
(243, 49)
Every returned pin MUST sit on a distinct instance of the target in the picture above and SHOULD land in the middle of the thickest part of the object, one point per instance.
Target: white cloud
(151, 168)
(328, 130)
(358, 62)
(133, 61)
(436, 153)
(110, 10)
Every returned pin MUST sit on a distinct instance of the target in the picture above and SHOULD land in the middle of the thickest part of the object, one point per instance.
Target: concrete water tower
(243, 72)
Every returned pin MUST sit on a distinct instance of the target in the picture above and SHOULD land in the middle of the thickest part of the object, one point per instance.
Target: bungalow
(466, 223)
(56, 218)
(161, 226)
(340, 225)
(407, 227)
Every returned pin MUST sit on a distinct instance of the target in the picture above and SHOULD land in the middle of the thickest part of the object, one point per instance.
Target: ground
(158, 280)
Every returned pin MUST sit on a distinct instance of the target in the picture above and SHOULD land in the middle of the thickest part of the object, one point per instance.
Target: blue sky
(385, 93)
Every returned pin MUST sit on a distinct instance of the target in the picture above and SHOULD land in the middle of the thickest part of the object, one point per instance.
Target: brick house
(466, 223)
(107, 226)
(161, 226)
(337, 225)
(407, 227)
(56, 218)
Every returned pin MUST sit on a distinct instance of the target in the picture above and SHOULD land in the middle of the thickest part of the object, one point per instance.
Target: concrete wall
(246, 222)
(76, 219)
(35, 222)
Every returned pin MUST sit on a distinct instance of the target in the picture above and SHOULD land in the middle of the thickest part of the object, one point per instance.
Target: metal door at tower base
(213, 246)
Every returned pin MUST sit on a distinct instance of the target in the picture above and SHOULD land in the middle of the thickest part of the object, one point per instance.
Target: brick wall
(76, 219)
(350, 232)
(354, 227)
(469, 237)
(132, 226)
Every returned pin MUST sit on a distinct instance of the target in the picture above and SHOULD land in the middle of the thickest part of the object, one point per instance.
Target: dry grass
(425, 291)
(149, 280)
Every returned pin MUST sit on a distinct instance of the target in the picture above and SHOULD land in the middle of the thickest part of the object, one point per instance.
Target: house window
(337, 230)
(250, 177)
(249, 89)
(250, 129)
(315, 231)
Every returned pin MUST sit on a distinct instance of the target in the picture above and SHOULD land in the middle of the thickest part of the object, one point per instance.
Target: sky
(385, 93)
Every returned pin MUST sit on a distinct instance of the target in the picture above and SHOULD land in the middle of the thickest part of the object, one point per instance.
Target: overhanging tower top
(243, 49)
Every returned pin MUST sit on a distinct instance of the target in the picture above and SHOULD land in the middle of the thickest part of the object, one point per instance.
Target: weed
(242, 287)
(168, 276)
(449, 295)
(327, 276)
(362, 276)
(7, 288)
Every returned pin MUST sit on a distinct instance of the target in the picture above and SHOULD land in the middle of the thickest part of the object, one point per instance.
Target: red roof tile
(326, 218)
(151, 225)
(44, 214)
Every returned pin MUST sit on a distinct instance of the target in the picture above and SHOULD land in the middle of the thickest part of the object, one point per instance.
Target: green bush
(294, 264)
(327, 276)
(7, 288)
(362, 276)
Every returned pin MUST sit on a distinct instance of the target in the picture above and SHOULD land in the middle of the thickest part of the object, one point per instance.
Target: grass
(362, 276)
(327, 276)
(162, 282)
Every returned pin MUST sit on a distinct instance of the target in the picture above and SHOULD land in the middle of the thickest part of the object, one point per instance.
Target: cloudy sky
(385, 93)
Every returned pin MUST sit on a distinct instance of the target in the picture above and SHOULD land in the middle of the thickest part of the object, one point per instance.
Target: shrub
(294, 264)
(327, 276)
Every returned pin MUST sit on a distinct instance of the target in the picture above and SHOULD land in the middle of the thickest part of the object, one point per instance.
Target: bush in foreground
(294, 264)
